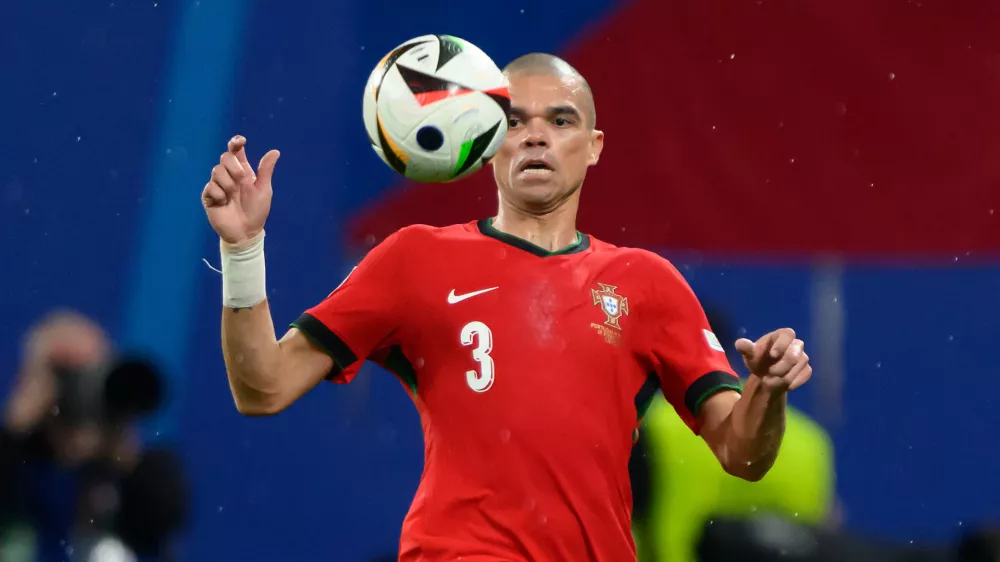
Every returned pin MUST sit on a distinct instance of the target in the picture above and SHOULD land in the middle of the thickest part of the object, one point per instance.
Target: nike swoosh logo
(453, 298)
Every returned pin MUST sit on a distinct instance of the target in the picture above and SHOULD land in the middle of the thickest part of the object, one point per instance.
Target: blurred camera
(117, 392)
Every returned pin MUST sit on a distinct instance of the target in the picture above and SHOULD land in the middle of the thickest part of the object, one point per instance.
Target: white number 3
(479, 334)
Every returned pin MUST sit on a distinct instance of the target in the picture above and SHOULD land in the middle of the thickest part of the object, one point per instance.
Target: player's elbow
(258, 408)
(255, 403)
(742, 461)
(751, 471)
(750, 475)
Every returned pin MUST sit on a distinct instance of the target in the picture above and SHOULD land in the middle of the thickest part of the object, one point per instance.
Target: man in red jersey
(530, 350)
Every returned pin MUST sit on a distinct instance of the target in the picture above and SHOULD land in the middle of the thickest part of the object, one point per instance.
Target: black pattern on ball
(430, 138)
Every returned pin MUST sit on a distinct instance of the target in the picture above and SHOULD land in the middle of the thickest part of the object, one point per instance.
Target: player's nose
(534, 135)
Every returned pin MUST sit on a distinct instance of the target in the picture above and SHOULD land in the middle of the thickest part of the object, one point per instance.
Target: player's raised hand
(237, 200)
(778, 358)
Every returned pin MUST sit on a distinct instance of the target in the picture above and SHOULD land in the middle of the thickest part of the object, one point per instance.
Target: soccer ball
(435, 108)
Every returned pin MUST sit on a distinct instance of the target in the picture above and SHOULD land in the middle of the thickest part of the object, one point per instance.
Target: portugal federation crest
(613, 305)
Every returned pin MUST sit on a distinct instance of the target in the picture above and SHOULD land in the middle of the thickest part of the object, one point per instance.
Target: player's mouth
(536, 167)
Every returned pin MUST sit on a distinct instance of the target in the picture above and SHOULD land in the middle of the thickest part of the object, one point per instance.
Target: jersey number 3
(479, 335)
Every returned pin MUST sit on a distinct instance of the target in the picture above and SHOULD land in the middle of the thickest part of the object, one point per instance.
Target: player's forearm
(253, 358)
(754, 431)
(252, 353)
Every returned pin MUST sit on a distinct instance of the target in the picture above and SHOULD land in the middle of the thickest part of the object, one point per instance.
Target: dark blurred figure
(981, 545)
(75, 483)
(769, 539)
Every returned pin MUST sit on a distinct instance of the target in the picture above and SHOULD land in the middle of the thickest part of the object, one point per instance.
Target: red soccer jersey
(530, 370)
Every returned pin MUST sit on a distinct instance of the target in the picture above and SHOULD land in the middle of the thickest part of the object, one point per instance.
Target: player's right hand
(237, 200)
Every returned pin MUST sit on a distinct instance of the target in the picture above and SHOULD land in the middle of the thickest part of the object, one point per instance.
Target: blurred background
(830, 166)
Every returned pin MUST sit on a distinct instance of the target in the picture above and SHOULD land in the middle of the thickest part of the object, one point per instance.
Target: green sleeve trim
(715, 389)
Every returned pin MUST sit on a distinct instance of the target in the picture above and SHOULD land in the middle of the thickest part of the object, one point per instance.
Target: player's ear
(596, 146)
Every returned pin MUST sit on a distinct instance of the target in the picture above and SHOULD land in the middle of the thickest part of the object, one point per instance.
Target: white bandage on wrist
(243, 279)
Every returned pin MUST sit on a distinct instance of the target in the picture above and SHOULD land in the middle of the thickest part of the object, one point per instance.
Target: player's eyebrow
(517, 112)
(552, 111)
(564, 110)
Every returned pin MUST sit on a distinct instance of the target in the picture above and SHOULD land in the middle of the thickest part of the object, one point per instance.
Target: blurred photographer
(75, 482)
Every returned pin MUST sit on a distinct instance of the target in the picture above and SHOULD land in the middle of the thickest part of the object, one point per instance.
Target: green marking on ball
(455, 39)
(463, 155)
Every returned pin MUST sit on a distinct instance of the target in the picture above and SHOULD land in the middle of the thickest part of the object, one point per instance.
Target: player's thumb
(266, 168)
(745, 347)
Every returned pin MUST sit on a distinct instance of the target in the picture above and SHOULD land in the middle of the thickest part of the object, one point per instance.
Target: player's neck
(551, 231)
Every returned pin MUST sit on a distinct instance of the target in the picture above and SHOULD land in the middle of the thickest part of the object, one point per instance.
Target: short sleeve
(363, 313)
(686, 355)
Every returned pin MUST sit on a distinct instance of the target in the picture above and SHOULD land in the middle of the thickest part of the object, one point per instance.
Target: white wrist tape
(243, 279)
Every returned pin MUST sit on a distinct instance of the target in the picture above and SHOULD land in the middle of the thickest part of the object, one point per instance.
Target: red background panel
(778, 126)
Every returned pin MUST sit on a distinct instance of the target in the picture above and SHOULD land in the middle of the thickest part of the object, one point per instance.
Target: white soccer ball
(435, 108)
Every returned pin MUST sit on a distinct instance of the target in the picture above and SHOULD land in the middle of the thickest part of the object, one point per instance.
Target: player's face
(549, 144)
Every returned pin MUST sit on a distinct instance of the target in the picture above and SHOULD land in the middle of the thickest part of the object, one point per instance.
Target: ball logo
(468, 112)
(472, 132)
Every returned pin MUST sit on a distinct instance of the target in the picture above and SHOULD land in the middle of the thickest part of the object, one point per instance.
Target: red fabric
(857, 126)
(682, 347)
(528, 370)
(363, 310)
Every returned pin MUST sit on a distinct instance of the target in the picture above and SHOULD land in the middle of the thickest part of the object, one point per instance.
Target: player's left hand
(778, 359)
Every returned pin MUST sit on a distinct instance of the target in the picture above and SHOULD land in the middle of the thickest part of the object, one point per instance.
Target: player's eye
(561, 122)
(512, 122)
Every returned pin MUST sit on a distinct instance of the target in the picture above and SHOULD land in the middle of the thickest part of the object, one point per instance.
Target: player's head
(551, 138)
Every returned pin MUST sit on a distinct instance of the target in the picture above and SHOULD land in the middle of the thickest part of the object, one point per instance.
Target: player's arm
(327, 342)
(743, 425)
(265, 375)
(745, 432)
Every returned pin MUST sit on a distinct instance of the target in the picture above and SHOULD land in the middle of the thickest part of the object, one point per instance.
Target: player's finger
(266, 167)
(782, 339)
(762, 347)
(796, 367)
(791, 356)
(233, 166)
(237, 147)
(220, 175)
(213, 195)
(242, 157)
(236, 144)
(754, 353)
(801, 377)
(745, 347)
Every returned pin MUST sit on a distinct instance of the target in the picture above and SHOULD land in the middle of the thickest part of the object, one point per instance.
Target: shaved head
(544, 64)
(551, 140)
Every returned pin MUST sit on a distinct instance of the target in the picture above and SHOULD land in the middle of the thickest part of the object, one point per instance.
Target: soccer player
(530, 349)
